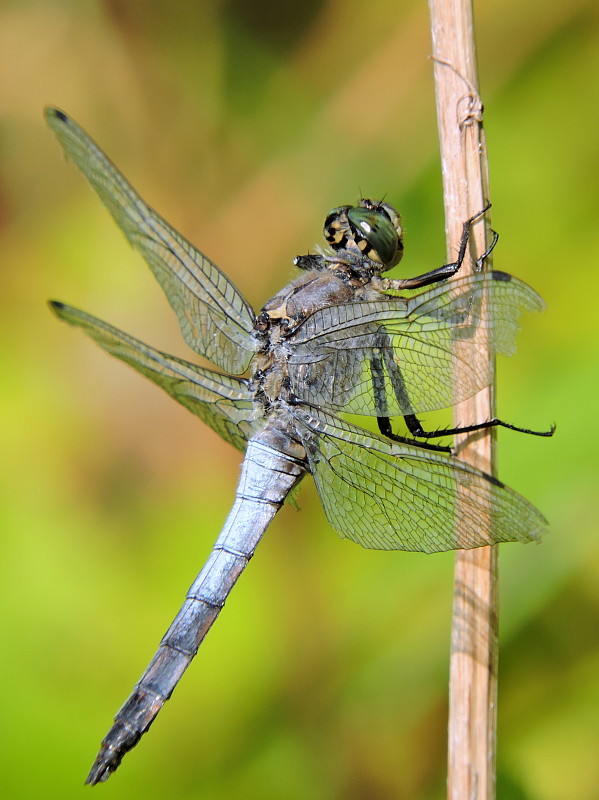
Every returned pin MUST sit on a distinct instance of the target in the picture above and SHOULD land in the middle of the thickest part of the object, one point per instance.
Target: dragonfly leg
(384, 424)
(377, 375)
(416, 428)
(443, 272)
(481, 259)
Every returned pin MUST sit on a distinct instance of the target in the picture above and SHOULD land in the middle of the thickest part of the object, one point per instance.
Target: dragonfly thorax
(280, 317)
(310, 291)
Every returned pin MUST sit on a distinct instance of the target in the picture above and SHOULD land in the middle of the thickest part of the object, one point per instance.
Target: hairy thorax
(281, 315)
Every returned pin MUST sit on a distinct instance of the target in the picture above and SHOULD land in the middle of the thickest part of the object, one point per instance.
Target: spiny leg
(416, 429)
(384, 424)
(377, 375)
(413, 423)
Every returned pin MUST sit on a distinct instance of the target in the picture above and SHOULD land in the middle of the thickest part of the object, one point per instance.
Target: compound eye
(375, 232)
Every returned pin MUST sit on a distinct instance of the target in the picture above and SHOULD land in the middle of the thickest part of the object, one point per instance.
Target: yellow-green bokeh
(243, 123)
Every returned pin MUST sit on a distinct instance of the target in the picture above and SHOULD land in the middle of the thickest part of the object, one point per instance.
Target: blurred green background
(244, 123)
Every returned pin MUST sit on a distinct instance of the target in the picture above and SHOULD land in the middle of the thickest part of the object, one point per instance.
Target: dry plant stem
(473, 665)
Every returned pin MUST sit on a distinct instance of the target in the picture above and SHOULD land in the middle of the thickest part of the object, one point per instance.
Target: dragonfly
(338, 339)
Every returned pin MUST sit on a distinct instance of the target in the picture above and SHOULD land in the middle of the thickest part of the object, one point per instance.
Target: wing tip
(63, 311)
(57, 307)
(52, 113)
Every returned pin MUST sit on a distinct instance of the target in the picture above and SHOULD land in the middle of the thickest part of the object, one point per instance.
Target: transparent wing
(399, 356)
(215, 320)
(389, 496)
(222, 402)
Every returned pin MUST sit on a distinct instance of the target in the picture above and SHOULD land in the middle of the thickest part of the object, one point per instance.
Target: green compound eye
(380, 239)
(371, 228)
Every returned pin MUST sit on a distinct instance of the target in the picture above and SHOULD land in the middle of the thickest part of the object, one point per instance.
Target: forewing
(215, 320)
(388, 496)
(222, 402)
(407, 355)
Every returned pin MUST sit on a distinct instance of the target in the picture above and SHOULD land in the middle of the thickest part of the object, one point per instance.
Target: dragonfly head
(369, 229)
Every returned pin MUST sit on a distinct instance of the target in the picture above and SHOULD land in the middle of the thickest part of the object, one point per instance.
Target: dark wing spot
(56, 112)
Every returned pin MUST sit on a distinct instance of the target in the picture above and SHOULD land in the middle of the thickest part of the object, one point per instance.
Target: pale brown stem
(473, 665)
